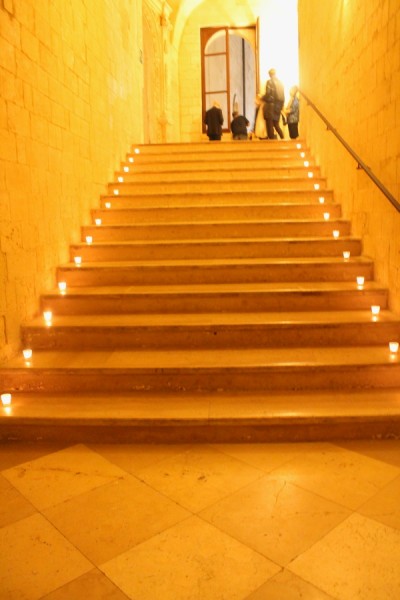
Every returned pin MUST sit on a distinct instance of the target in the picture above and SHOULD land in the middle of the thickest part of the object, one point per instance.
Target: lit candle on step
(306, 163)
(336, 233)
(316, 186)
(6, 399)
(27, 352)
(78, 260)
(298, 146)
(126, 169)
(137, 151)
(326, 216)
(116, 192)
(120, 179)
(321, 200)
(360, 280)
(89, 239)
(346, 255)
(302, 154)
(394, 347)
(131, 159)
(108, 205)
(62, 286)
(97, 222)
(310, 174)
(48, 316)
(375, 309)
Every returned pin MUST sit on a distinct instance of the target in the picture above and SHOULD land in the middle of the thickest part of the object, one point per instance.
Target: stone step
(215, 271)
(267, 147)
(262, 297)
(126, 211)
(145, 197)
(212, 417)
(235, 184)
(256, 173)
(242, 161)
(182, 249)
(208, 370)
(217, 230)
(214, 330)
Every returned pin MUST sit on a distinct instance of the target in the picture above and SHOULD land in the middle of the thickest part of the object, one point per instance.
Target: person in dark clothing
(214, 120)
(239, 126)
(292, 112)
(274, 99)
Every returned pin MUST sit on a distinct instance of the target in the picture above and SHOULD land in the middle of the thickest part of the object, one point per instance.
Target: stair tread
(190, 407)
(221, 241)
(266, 319)
(209, 359)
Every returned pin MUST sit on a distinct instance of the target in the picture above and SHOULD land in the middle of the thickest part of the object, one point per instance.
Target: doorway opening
(229, 70)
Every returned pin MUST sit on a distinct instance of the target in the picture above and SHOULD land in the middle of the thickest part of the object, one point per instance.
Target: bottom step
(174, 418)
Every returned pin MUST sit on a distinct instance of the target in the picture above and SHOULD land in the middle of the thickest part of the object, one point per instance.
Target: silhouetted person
(274, 99)
(214, 121)
(239, 126)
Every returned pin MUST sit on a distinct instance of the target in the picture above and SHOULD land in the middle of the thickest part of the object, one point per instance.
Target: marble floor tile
(385, 505)
(90, 586)
(113, 518)
(35, 559)
(277, 519)
(287, 586)
(340, 475)
(191, 560)
(387, 451)
(59, 476)
(13, 506)
(199, 477)
(358, 560)
(16, 453)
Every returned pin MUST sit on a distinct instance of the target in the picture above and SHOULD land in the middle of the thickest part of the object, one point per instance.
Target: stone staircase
(212, 302)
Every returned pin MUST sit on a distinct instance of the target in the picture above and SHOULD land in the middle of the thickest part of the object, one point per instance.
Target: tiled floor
(200, 522)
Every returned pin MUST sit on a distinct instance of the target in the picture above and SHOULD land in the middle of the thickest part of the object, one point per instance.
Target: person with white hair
(274, 99)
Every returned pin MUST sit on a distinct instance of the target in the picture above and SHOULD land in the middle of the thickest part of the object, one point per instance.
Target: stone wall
(350, 68)
(70, 107)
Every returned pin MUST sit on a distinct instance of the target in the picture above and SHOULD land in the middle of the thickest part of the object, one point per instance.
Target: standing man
(214, 121)
(274, 99)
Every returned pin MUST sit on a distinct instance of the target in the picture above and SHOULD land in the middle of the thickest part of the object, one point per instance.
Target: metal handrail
(360, 163)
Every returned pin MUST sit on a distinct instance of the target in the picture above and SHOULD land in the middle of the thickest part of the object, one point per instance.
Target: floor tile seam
(378, 492)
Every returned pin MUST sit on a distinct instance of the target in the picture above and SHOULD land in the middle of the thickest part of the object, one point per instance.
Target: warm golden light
(78, 260)
(97, 222)
(27, 352)
(120, 179)
(394, 347)
(126, 169)
(89, 239)
(321, 200)
(360, 280)
(346, 255)
(316, 186)
(108, 205)
(298, 146)
(62, 286)
(336, 233)
(302, 154)
(137, 151)
(375, 309)
(116, 192)
(47, 315)
(6, 399)
(326, 216)
(306, 163)
(310, 174)
(131, 159)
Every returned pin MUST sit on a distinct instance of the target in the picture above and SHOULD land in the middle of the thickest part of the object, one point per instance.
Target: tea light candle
(131, 159)
(78, 260)
(298, 146)
(346, 255)
(326, 216)
(97, 222)
(89, 239)
(336, 233)
(310, 174)
(375, 309)
(47, 315)
(137, 151)
(27, 352)
(116, 192)
(108, 205)
(316, 186)
(62, 286)
(306, 163)
(321, 200)
(126, 169)
(120, 179)
(302, 154)
(394, 347)
(360, 280)
(6, 399)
